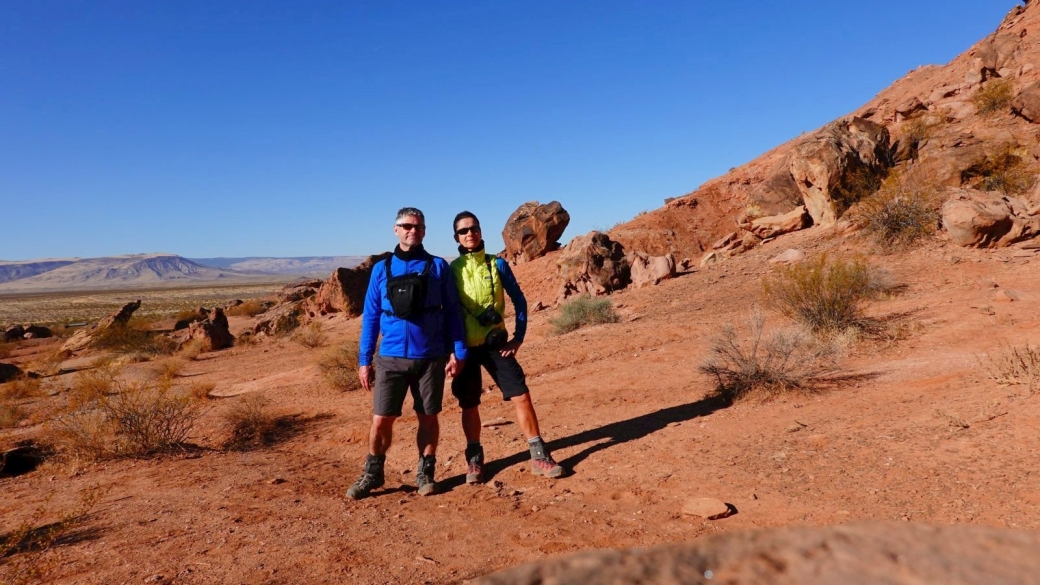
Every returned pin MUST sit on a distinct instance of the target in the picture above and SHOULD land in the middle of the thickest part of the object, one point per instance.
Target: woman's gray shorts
(396, 376)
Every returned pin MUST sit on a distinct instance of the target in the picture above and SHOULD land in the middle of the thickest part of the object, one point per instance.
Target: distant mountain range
(145, 270)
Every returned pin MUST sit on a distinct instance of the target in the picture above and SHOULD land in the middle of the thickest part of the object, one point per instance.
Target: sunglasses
(463, 231)
(412, 226)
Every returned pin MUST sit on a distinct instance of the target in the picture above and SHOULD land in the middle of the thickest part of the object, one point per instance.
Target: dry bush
(993, 96)
(24, 386)
(857, 184)
(130, 339)
(250, 308)
(250, 423)
(1016, 365)
(50, 365)
(781, 362)
(245, 339)
(11, 415)
(137, 420)
(90, 386)
(187, 315)
(824, 296)
(582, 311)
(312, 336)
(23, 551)
(901, 213)
(201, 390)
(193, 349)
(918, 129)
(339, 366)
(1007, 171)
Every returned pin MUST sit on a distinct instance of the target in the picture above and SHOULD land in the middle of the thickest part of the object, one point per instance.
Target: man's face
(410, 231)
(467, 233)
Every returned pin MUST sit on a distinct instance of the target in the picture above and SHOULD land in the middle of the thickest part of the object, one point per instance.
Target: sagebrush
(1008, 171)
(338, 365)
(824, 295)
(582, 311)
(783, 361)
(901, 213)
(993, 96)
(250, 423)
(250, 308)
(312, 336)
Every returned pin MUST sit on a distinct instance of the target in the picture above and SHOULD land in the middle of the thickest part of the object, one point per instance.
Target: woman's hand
(510, 348)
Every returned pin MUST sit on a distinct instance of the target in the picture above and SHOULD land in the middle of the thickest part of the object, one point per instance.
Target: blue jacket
(433, 334)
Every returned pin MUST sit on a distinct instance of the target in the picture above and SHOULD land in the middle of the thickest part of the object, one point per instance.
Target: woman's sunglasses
(463, 231)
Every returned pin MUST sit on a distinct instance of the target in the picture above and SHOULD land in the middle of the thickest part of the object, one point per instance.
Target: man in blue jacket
(413, 302)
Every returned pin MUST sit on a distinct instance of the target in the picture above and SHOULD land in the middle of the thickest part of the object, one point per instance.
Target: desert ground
(913, 427)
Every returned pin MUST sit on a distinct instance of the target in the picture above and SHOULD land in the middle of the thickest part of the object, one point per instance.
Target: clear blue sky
(298, 128)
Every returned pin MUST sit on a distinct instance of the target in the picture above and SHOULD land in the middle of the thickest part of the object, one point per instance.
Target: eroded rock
(83, 337)
(650, 270)
(344, 291)
(775, 225)
(534, 230)
(593, 264)
(212, 331)
(979, 219)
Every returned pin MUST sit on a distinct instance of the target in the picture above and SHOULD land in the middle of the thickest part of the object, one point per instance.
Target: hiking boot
(371, 478)
(475, 464)
(424, 475)
(546, 467)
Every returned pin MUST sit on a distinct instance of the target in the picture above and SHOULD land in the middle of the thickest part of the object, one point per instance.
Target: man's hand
(454, 366)
(365, 374)
(510, 348)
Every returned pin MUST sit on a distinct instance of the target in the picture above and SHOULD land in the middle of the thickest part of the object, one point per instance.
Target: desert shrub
(900, 213)
(130, 339)
(582, 311)
(1006, 171)
(993, 96)
(201, 390)
(49, 365)
(312, 336)
(11, 415)
(859, 183)
(187, 315)
(90, 386)
(168, 369)
(1016, 365)
(826, 296)
(250, 308)
(137, 420)
(250, 422)
(193, 349)
(339, 366)
(780, 362)
(24, 386)
(917, 129)
(246, 339)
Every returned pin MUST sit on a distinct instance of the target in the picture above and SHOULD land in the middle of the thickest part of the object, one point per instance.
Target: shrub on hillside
(582, 311)
(24, 386)
(1016, 365)
(250, 308)
(993, 96)
(900, 213)
(338, 365)
(823, 295)
(1006, 171)
(91, 386)
(780, 362)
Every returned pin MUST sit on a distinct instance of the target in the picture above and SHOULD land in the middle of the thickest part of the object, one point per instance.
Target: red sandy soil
(623, 407)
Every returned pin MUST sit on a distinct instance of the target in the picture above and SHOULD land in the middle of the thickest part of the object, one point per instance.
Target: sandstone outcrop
(988, 220)
(84, 336)
(1027, 103)
(212, 331)
(593, 264)
(279, 319)
(534, 230)
(646, 269)
(200, 314)
(863, 554)
(344, 291)
(298, 291)
(775, 225)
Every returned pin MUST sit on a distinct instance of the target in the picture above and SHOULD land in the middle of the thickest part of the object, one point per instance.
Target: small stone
(535, 508)
(707, 508)
(277, 481)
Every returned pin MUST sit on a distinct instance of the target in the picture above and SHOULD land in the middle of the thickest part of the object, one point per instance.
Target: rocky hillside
(109, 272)
(969, 124)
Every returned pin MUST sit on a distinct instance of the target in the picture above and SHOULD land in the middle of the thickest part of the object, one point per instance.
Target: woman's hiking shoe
(546, 467)
(424, 475)
(475, 464)
(364, 485)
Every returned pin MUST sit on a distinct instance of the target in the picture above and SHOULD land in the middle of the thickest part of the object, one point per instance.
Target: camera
(496, 338)
(488, 317)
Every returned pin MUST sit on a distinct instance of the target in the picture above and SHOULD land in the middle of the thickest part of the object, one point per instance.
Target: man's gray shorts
(396, 376)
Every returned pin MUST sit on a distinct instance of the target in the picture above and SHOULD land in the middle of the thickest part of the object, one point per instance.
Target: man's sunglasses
(412, 226)
(463, 231)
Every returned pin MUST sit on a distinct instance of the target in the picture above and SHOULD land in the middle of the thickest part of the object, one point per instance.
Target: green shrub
(782, 362)
(339, 366)
(900, 213)
(993, 96)
(825, 296)
(582, 311)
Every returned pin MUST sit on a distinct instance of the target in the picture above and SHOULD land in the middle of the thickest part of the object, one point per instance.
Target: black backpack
(407, 292)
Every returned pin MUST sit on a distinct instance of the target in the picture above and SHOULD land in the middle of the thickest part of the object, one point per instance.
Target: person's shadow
(618, 432)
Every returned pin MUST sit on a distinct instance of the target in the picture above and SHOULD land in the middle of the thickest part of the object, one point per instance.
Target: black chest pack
(407, 292)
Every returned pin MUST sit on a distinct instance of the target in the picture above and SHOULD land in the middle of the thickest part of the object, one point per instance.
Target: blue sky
(289, 129)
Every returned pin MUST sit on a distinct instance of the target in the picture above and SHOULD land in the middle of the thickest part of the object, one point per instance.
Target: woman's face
(467, 233)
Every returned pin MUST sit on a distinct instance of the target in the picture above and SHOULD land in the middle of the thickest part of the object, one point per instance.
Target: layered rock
(534, 230)
(83, 337)
(344, 291)
(592, 264)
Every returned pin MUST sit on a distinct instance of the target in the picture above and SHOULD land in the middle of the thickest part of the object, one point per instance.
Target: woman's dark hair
(461, 216)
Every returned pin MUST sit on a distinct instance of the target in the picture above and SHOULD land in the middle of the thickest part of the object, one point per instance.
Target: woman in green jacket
(483, 281)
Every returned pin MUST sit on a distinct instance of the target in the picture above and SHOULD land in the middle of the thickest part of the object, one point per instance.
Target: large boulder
(279, 319)
(1027, 103)
(775, 225)
(534, 230)
(593, 264)
(84, 336)
(646, 269)
(13, 333)
(861, 554)
(988, 220)
(212, 331)
(344, 291)
(837, 165)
